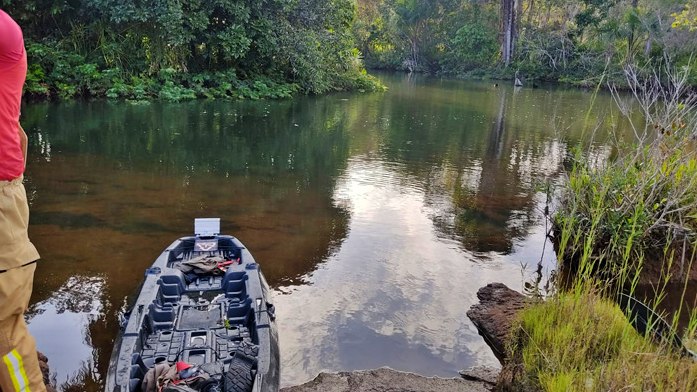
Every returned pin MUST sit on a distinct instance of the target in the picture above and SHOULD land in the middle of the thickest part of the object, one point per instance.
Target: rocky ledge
(388, 380)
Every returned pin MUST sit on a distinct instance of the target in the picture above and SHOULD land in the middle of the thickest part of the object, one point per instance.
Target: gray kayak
(203, 321)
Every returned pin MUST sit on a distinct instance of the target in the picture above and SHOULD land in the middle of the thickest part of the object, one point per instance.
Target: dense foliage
(189, 48)
(565, 40)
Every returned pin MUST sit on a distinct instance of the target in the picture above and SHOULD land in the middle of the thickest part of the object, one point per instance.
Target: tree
(414, 18)
(509, 30)
(687, 18)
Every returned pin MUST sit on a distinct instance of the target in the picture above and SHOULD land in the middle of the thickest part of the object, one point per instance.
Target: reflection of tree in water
(87, 378)
(83, 296)
(493, 199)
(230, 138)
(267, 168)
(79, 294)
(479, 180)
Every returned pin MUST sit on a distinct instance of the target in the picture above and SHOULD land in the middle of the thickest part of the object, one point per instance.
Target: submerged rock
(494, 315)
(387, 380)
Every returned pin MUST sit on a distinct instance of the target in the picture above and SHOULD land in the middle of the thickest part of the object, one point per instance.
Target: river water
(375, 217)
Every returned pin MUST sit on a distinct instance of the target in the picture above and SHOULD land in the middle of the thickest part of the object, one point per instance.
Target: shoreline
(387, 380)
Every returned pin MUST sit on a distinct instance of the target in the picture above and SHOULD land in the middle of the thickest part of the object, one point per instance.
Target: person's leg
(15, 247)
(19, 366)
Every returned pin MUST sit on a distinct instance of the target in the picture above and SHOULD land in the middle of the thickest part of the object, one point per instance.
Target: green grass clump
(620, 220)
(635, 209)
(584, 343)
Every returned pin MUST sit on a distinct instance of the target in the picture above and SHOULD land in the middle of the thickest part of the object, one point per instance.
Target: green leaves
(161, 46)
(474, 45)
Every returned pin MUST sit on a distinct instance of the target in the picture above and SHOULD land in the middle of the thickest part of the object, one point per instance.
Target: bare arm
(23, 142)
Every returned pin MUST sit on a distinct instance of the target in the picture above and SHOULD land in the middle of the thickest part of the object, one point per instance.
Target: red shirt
(13, 72)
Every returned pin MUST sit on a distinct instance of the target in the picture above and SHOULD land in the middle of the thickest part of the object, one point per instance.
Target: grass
(620, 220)
(639, 210)
(584, 343)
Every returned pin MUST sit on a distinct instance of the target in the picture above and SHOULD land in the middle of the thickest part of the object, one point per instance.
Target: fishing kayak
(203, 321)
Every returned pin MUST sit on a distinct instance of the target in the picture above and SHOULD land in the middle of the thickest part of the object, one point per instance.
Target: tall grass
(639, 210)
(619, 222)
(582, 342)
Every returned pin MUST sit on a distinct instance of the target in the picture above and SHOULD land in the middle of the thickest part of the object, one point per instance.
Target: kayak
(202, 321)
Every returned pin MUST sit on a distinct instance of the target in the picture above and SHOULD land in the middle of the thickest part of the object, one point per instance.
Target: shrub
(639, 210)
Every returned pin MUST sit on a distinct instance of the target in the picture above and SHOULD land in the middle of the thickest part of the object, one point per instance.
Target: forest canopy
(187, 48)
(183, 49)
(567, 40)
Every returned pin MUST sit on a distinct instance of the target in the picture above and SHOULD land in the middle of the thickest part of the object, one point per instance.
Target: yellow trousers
(19, 366)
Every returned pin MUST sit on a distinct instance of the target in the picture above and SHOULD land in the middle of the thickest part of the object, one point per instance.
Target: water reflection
(376, 217)
(393, 295)
(61, 326)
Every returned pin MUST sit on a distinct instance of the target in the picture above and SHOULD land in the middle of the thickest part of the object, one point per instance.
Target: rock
(387, 380)
(481, 373)
(494, 315)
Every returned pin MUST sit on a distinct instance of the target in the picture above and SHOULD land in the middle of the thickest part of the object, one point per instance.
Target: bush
(616, 215)
(55, 73)
(474, 46)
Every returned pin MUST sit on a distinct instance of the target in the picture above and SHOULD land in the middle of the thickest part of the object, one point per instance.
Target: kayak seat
(137, 375)
(235, 286)
(171, 288)
(237, 312)
(161, 317)
(176, 278)
(169, 293)
(233, 275)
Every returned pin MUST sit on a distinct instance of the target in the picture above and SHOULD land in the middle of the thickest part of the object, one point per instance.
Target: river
(375, 217)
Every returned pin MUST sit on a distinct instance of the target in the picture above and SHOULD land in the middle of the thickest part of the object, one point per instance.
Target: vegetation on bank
(552, 40)
(636, 211)
(186, 49)
(623, 216)
(274, 48)
(582, 342)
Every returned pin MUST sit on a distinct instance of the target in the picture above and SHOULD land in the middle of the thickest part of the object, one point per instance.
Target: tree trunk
(531, 12)
(508, 29)
(632, 34)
